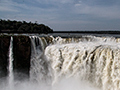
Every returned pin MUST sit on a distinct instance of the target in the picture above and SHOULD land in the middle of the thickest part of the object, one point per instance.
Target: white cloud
(66, 1)
(58, 2)
(5, 5)
(10, 6)
(77, 5)
(111, 12)
(67, 13)
(6, 9)
(70, 7)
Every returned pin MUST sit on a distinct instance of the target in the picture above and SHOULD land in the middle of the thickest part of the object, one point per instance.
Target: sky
(65, 15)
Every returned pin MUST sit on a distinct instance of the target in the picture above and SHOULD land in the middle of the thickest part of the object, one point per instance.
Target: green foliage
(18, 26)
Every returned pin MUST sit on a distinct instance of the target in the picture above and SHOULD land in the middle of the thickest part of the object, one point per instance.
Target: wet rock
(22, 53)
(4, 49)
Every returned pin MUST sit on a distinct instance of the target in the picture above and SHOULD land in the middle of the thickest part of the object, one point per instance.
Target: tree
(18, 26)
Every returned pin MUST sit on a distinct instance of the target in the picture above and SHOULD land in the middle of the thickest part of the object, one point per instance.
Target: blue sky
(65, 14)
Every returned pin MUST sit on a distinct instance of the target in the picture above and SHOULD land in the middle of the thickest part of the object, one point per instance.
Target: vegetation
(91, 32)
(21, 27)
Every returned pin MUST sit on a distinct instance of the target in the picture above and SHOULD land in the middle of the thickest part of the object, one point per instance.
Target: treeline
(23, 27)
(90, 32)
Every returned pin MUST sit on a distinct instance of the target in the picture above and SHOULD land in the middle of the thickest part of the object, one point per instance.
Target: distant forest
(9, 26)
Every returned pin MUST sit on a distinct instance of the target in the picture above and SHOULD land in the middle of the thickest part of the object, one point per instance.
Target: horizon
(65, 15)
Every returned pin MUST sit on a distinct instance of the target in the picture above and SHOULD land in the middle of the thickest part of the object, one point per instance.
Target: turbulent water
(39, 65)
(82, 63)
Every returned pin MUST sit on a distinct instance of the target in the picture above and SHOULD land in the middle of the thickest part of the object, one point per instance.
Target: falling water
(10, 66)
(85, 63)
(39, 66)
(94, 60)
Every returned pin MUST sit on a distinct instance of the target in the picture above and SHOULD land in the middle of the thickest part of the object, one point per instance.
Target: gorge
(55, 63)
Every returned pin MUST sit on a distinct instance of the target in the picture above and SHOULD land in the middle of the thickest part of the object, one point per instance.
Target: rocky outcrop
(22, 53)
(4, 48)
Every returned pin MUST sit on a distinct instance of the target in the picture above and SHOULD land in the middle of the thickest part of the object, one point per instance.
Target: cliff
(21, 54)
(4, 48)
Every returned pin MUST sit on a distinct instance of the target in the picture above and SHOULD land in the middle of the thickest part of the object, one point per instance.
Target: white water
(86, 63)
(10, 66)
(94, 61)
(39, 66)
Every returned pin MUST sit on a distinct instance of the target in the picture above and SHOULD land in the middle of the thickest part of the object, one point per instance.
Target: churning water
(85, 63)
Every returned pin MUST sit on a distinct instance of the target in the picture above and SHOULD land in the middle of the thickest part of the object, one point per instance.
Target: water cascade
(93, 60)
(39, 70)
(57, 63)
(10, 66)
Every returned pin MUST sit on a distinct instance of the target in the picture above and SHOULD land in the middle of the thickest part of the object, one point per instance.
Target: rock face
(22, 53)
(4, 48)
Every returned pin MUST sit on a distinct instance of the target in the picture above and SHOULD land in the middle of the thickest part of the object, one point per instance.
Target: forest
(8, 26)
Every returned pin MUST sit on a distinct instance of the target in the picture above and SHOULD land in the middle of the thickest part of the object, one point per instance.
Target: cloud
(11, 6)
(110, 12)
(5, 5)
(60, 8)
(6, 9)
(67, 13)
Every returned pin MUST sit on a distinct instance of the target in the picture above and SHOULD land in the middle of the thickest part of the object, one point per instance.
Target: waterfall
(95, 61)
(57, 63)
(10, 66)
(39, 70)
